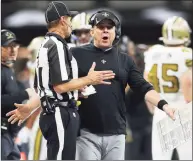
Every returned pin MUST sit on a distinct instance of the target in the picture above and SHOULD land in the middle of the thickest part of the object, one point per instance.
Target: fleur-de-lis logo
(105, 14)
(9, 35)
(103, 61)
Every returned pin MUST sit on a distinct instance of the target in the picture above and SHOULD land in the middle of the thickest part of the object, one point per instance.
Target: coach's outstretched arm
(23, 111)
(154, 98)
(140, 85)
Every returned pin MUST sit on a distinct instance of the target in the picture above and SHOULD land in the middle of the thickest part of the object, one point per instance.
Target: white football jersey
(37, 143)
(164, 66)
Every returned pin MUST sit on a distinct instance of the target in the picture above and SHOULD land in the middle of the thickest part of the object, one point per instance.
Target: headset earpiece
(118, 32)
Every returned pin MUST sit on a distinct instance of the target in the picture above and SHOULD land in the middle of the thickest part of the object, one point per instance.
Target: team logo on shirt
(103, 61)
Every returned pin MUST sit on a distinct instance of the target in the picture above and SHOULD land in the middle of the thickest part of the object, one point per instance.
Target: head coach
(57, 82)
(103, 122)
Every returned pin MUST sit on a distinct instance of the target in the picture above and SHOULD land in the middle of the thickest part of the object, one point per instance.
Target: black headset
(117, 27)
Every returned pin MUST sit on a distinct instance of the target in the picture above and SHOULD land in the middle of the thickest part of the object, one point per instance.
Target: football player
(81, 29)
(186, 83)
(164, 65)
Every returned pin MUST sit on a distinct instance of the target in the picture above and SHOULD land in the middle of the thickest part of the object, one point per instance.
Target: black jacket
(105, 111)
(10, 94)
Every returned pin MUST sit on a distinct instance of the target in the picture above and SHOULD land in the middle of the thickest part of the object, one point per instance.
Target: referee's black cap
(56, 9)
(7, 37)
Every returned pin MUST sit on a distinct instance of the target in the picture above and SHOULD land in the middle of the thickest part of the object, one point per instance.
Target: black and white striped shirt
(55, 65)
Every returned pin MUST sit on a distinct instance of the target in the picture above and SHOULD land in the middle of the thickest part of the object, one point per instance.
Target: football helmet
(176, 31)
(80, 22)
(34, 46)
(81, 29)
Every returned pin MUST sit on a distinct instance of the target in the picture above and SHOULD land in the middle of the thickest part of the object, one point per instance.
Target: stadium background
(141, 20)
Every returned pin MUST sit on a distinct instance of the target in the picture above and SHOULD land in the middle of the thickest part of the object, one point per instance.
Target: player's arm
(150, 106)
(186, 85)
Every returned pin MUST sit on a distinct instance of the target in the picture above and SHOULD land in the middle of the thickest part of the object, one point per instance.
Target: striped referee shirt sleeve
(58, 65)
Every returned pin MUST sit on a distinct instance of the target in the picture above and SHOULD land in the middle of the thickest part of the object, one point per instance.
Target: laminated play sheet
(174, 133)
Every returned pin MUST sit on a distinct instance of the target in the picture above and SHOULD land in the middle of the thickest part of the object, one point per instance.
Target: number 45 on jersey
(155, 81)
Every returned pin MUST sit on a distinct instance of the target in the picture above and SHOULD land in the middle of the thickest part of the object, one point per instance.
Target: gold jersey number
(153, 78)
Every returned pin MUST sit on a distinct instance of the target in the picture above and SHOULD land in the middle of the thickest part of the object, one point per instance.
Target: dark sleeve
(136, 81)
(59, 66)
(8, 100)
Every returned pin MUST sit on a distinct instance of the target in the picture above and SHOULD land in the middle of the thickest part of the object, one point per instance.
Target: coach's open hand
(98, 77)
(20, 114)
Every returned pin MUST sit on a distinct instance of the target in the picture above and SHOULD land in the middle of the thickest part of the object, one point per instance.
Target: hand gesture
(98, 77)
(20, 114)
(80, 95)
(169, 111)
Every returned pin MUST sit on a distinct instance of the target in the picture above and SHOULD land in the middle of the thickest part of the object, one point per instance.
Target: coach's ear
(92, 32)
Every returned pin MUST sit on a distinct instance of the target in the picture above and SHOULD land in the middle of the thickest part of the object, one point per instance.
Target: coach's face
(9, 53)
(104, 33)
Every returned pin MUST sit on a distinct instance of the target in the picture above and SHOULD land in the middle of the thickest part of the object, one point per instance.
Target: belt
(63, 103)
(70, 104)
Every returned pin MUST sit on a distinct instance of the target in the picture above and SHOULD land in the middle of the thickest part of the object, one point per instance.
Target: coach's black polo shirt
(105, 111)
(10, 94)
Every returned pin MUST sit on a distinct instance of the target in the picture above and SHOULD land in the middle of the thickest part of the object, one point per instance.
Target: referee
(57, 83)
